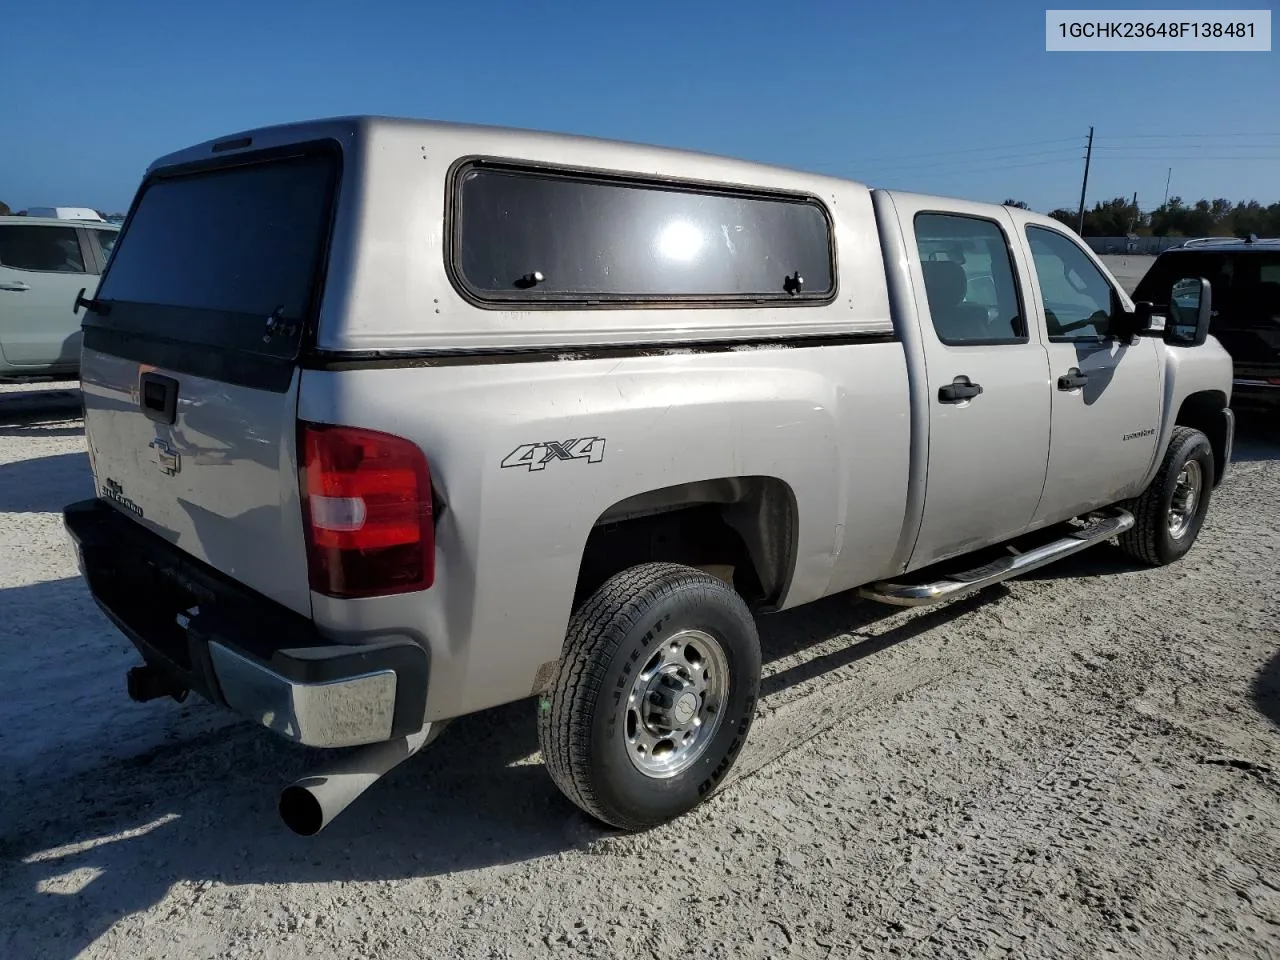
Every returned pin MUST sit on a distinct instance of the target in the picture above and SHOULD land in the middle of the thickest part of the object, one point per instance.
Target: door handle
(1073, 379)
(16, 285)
(958, 390)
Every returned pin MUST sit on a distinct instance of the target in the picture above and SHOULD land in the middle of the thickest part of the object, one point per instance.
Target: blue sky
(945, 97)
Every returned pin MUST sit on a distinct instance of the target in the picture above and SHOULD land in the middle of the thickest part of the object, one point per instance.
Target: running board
(1102, 525)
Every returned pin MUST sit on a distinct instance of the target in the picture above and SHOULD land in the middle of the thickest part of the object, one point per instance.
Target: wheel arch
(749, 523)
(1206, 411)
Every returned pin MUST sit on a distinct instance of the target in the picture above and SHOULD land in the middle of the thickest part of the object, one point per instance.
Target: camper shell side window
(550, 237)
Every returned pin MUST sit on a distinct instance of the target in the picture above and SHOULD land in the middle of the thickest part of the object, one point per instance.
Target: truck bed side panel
(831, 422)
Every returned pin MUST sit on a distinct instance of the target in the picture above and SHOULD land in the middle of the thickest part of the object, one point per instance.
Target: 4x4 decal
(536, 456)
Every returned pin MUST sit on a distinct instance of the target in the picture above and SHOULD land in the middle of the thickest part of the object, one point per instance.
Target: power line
(1163, 157)
(1195, 146)
(1012, 166)
(1065, 153)
(1177, 138)
(948, 153)
(1118, 143)
(1183, 136)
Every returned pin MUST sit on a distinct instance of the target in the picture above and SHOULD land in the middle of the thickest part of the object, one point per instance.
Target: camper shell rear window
(556, 238)
(209, 257)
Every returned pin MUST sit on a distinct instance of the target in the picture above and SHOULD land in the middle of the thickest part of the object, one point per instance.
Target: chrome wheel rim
(1186, 498)
(675, 704)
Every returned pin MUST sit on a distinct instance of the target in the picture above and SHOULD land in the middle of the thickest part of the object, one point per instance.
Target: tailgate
(189, 367)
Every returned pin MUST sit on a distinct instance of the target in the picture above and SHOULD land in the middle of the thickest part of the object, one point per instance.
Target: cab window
(1078, 301)
(969, 280)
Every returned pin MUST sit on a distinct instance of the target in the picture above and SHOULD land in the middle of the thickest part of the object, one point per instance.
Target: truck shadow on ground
(57, 402)
(45, 484)
(1266, 690)
(44, 428)
(1102, 560)
(1257, 437)
(80, 852)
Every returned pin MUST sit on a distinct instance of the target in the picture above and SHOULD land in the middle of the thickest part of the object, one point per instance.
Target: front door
(42, 268)
(1106, 394)
(987, 375)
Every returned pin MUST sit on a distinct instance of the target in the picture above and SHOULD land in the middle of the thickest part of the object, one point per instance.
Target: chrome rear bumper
(197, 629)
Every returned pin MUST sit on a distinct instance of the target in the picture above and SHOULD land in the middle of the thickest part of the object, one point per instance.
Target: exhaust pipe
(309, 805)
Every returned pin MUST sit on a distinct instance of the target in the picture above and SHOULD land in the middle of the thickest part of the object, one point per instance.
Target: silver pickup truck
(427, 418)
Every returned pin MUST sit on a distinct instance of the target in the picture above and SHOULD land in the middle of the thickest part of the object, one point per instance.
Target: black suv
(1244, 278)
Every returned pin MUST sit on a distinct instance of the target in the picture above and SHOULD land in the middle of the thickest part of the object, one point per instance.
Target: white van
(65, 213)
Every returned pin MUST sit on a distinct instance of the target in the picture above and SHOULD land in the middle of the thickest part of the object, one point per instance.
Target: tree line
(1205, 218)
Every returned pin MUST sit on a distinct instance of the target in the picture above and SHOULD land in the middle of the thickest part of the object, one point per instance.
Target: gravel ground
(1080, 762)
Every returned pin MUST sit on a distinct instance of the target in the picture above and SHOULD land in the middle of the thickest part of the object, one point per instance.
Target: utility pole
(1166, 187)
(1085, 185)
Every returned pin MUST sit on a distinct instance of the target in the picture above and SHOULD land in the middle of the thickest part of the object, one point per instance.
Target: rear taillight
(366, 506)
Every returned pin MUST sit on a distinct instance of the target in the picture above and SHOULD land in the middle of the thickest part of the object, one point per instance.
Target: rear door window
(969, 280)
(41, 249)
(210, 257)
(105, 240)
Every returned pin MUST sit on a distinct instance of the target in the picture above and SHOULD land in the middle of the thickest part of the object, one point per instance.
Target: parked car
(428, 418)
(44, 264)
(1245, 276)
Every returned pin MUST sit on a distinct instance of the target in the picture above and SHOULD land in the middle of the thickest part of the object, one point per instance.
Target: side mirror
(1147, 320)
(1184, 323)
(1190, 309)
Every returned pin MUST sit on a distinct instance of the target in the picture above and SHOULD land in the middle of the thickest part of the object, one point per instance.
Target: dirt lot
(1081, 762)
(1128, 268)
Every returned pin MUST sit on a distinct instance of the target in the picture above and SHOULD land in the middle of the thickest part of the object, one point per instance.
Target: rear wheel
(655, 695)
(1169, 513)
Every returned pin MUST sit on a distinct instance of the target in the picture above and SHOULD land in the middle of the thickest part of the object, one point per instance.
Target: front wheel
(654, 697)
(1169, 513)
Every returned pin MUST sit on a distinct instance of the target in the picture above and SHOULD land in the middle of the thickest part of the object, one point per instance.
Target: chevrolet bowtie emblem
(166, 458)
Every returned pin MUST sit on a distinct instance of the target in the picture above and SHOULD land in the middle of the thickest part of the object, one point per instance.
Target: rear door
(987, 378)
(189, 367)
(1106, 394)
(42, 269)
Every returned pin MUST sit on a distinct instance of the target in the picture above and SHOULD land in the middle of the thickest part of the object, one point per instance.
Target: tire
(591, 728)
(1155, 538)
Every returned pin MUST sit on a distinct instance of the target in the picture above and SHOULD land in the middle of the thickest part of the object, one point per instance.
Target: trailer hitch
(147, 683)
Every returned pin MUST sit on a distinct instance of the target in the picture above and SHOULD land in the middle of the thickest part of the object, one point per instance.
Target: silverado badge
(111, 490)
